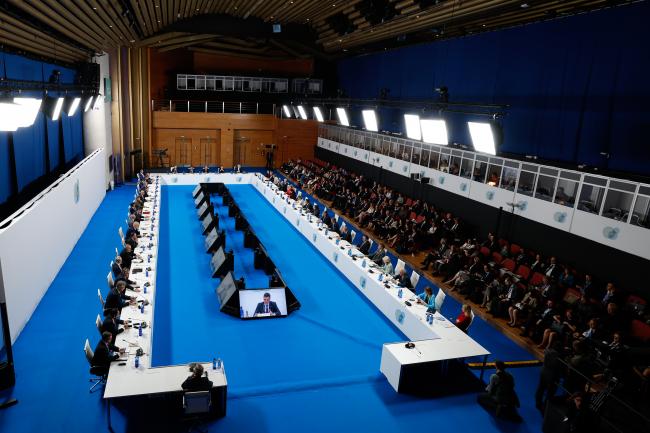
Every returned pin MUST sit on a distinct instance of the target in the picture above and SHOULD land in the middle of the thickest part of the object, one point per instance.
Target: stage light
(343, 116)
(89, 103)
(287, 112)
(53, 107)
(482, 137)
(71, 105)
(18, 113)
(370, 120)
(296, 113)
(97, 101)
(413, 130)
(434, 131)
(318, 114)
(303, 113)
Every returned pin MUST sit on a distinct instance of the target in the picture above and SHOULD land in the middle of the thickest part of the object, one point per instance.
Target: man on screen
(267, 307)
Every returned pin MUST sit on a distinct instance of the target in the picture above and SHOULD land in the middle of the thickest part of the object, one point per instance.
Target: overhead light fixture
(53, 107)
(71, 105)
(434, 131)
(287, 112)
(482, 137)
(97, 101)
(89, 104)
(370, 120)
(412, 122)
(18, 113)
(318, 114)
(303, 113)
(296, 113)
(343, 116)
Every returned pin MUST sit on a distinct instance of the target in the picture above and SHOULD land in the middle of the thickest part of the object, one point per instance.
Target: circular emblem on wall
(441, 180)
(239, 179)
(335, 256)
(523, 205)
(611, 232)
(76, 191)
(345, 150)
(207, 179)
(362, 282)
(366, 156)
(559, 217)
(400, 316)
(463, 186)
(355, 153)
(489, 195)
(174, 179)
(390, 164)
(405, 168)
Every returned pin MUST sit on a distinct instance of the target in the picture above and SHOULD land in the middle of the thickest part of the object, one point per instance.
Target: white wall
(41, 235)
(97, 122)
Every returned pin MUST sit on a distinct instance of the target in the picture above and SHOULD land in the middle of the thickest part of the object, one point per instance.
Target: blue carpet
(315, 370)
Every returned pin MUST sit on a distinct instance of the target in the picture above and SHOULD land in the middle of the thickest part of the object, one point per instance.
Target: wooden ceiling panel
(80, 27)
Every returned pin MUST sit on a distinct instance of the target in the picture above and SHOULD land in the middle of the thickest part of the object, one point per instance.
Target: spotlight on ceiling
(482, 137)
(318, 114)
(434, 131)
(370, 120)
(89, 104)
(303, 113)
(18, 113)
(71, 105)
(98, 99)
(343, 116)
(53, 107)
(413, 130)
(287, 112)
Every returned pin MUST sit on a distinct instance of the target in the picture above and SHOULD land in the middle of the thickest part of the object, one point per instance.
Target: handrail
(9, 220)
(223, 106)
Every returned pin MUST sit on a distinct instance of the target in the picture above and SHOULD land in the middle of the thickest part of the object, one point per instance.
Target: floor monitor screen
(262, 303)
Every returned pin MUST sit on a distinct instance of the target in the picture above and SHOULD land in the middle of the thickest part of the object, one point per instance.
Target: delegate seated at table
(403, 279)
(387, 268)
(197, 381)
(105, 352)
(427, 298)
(267, 307)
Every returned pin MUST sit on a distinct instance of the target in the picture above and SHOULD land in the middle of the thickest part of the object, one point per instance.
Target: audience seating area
(599, 329)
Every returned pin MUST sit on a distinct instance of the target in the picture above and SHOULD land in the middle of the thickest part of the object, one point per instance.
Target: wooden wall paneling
(251, 142)
(166, 138)
(295, 139)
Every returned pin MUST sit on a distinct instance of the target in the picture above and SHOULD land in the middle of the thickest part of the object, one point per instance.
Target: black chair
(99, 372)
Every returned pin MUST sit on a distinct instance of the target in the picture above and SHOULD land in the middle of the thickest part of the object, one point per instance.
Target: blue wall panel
(576, 86)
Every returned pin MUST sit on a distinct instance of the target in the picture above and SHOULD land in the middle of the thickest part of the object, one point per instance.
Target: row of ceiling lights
(19, 112)
(433, 131)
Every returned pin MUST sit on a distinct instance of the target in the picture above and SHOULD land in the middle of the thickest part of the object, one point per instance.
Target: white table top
(127, 380)
(438, 341)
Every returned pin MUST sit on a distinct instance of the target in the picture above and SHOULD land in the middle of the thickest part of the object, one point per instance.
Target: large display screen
(262, 303)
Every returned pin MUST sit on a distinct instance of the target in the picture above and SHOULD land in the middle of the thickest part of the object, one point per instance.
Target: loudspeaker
(215, 240)
(222, 263)
(227, 295)
(88, 75)
(202, 197)
(208, 224)
(425, 179)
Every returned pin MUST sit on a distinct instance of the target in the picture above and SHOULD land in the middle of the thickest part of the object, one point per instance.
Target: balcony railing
(186, 106)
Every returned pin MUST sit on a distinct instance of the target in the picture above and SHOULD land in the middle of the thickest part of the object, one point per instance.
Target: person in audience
(588, 288)
(500, 396)
(465, 317)
(566, 280)
(364, 247)
(537, 265)
(106, 352)
(522, 309)
(552, 270)
(540, 321)
(560, 326)
(387, 268)
(197, 380)
(550, 374)
(611, 295)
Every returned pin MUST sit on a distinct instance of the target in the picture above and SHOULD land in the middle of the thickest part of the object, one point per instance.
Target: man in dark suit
(116, 268)
(111, 323)
(117, 298)
(403, 279)
(105, 352)
(345, 234)
(127, 255)
(553, 269)
(365, 245)
(267, 307)
(133, 229)
(197, 381)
